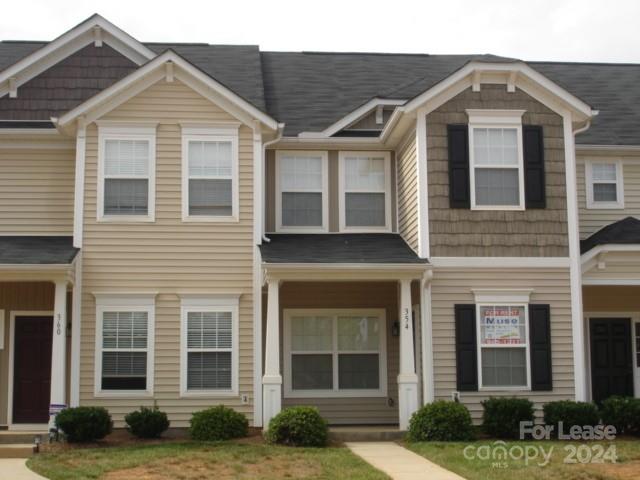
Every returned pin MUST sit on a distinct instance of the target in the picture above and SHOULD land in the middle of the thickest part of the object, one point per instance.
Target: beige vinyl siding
(407, 184)
(592, 220)
(610, 298)
(450, 287)
(36, 186)
(372, 410)
(617, 266)
(459, 232)
(168, 256)
(334, 190)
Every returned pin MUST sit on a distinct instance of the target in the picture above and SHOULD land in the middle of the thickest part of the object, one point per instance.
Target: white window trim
(496, 119)
(387, 192)
(591, 203)
(201, 133)
(527, 346)
(143, 302)
(289, 392)
(210, 303)
(110, 131)
(325, 193)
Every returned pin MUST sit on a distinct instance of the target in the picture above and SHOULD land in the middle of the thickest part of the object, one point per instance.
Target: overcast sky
(567, 30)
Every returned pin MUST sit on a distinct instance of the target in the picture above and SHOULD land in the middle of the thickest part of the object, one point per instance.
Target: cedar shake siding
(67, 84)
(461, 232)
(407, 173)
(454, 286)
(169, 256)
(36, 187)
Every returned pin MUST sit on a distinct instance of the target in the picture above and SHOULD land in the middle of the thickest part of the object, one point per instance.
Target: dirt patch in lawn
(182, 469)
(619, 471)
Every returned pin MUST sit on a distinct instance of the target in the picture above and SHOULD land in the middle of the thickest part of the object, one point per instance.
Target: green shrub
(84, 424)
(218, 423)
(570, 413)
(441, 421)
(298, 427)
(502, 416)
(147, 422)
(623, 413)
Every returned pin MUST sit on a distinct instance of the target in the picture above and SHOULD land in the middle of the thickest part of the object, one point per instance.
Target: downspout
(264, 169)
(583, 129)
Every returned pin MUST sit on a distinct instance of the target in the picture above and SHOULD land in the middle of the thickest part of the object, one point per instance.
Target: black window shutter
(466, 348)
(458, 142)
(534, 183)
(540, 346)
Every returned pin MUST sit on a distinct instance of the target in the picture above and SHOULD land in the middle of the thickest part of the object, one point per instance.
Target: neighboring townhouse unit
(189, 225)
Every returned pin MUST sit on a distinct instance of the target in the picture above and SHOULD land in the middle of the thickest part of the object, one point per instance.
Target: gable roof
(622, 232)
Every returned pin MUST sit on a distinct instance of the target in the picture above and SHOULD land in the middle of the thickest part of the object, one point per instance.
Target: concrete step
(16, 450)
(15, 436)
(365, 434)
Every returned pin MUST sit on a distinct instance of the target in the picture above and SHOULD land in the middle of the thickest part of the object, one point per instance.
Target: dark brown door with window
(32, 369)
(611, 358)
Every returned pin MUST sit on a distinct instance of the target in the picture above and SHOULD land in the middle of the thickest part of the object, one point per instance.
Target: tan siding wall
(407, 180)
(605, 299)
(168, 256)
(350, 295)
(617, 266)
(463, 232)
(36, 189)
(592, 220)
(450, 287)
(334, 191)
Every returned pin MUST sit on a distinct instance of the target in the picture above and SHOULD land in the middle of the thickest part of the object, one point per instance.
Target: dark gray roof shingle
(625, 231)
(362, 248)
(38, 250)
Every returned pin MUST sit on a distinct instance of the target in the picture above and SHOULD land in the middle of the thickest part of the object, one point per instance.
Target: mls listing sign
(502, 325)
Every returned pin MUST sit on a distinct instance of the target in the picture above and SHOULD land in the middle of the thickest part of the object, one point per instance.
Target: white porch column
(272, 379)
(58, 399)
(407, 378)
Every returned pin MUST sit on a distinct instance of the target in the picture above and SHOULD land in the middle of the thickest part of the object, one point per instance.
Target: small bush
(218, 423)
(441, 421)
(570, 413)
(502, 416)
(623, 413)
(147, 422)
(298, 427)
(84, 424)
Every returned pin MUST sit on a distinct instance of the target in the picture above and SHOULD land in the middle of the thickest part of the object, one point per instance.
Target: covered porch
(37, 278)
(343, 327)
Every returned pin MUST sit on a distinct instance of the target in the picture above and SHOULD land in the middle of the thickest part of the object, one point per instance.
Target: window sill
(507, 208)
(605, 206)
(504, 389)
(126, 219)
(208, 219)
(302, 230)
(123, 394)
(209, 394)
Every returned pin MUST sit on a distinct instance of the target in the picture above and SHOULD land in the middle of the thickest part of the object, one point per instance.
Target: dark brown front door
(611, 361)
(32, 369)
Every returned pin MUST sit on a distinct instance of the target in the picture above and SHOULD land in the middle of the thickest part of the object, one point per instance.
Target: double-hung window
(333, 353)
(503, 346)
(365, 184)
(124, 345)
(126, 173)
(604, 184)
(209, 346)
(301, 191)
(496, 156)
(209, 173)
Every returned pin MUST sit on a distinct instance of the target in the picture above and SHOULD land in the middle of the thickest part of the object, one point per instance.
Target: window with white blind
(496, 156)
(126, 177)
(301, 185)
(604, 184)
(209, 347)
(210, 174)
(124, 345)
(365, 186)
(335, 353)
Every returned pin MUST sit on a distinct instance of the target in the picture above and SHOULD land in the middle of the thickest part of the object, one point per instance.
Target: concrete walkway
(400, 463)
(16, 469)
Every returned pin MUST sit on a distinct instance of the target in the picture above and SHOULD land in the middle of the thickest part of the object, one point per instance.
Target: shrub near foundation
(441, 421)
(570, 413)
(502, 416)
(218, 423)
(84, 424)
(298, 427)
(623, 413)
(147, 422)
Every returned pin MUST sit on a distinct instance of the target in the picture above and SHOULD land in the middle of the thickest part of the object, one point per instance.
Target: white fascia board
(594, 252)
(606, 148)
(352, 117)
(69, 43)
(154, 71)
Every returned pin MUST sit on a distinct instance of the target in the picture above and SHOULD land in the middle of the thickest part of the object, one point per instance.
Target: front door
(611, 360)
(32, 369)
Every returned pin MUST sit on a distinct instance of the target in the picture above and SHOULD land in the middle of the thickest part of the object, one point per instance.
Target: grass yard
(193, 460)
(451, 456)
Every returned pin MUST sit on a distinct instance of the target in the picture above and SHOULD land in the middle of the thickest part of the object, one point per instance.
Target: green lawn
(192, 461)
(451, 456)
